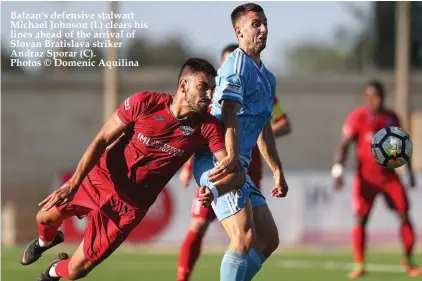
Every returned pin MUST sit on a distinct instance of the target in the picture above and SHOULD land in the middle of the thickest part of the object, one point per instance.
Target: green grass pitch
(137, 264)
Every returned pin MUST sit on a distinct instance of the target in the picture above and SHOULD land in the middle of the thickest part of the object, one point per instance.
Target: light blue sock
(233, 266)
(255, 261)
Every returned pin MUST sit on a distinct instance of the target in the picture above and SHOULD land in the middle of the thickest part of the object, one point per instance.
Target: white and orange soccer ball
(392, 147)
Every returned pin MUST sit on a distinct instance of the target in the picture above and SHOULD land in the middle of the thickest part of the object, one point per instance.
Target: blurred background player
(371, 179)
(201, 216)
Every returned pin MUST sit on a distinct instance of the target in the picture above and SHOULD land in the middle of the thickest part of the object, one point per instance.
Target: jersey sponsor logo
(186, 130)
(127, 104)
(233, 87)
(171, 150)
(158, 118)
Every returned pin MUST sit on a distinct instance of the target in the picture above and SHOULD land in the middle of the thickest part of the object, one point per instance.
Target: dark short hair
(379, 87)
(242, 10)
(196, 65)
(229, 48)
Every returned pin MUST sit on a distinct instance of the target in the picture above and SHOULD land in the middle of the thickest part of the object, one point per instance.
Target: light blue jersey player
(243, 101)
(253, 87)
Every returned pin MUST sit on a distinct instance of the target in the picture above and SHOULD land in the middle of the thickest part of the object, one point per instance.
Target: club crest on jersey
(186, 130)
(238, 193)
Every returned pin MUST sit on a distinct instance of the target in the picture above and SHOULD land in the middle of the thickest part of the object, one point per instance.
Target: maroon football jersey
(155, 145)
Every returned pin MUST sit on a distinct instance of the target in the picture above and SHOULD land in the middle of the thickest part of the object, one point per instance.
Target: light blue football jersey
(253, 86)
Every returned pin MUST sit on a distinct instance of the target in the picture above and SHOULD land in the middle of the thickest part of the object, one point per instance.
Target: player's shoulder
(358, 112)
(236, 63)
(148, 96)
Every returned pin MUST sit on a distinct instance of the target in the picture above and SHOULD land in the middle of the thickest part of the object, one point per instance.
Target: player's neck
(256, 58)
(178, 110)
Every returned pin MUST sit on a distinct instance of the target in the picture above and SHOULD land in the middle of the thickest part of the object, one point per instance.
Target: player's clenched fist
(61, 196)
(280, 185)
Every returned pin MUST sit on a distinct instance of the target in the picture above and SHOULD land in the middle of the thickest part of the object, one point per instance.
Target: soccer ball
(392, 147)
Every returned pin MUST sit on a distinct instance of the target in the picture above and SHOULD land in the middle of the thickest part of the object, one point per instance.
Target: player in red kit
(202, 216)
(136, 153)
(371, 178)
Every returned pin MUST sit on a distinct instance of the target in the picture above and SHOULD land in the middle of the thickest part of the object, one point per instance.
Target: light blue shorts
(232, 202)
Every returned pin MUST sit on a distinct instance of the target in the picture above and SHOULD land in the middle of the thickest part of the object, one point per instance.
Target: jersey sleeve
(132, 108)
(212, 133)
(231, 78)
(350, 126)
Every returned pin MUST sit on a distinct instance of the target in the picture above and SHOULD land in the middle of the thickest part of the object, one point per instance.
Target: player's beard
(191, 104)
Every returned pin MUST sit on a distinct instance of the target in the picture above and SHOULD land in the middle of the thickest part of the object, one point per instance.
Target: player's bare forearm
(342, 150)
(229, 117)
(281, 127)
(268, 148)
(234, 180)
(113, 129)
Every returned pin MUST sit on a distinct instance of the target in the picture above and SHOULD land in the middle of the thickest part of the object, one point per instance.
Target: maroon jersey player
(119, 177)
(371, 178)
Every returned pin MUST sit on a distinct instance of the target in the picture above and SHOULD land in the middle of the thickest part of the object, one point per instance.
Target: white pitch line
(331, 265)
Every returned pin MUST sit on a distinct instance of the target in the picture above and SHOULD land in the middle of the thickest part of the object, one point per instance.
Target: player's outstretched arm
(268, 149)
(112, 129)
(229, 116)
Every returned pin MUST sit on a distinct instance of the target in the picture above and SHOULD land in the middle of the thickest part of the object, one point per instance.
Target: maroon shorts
(110, 219)
(364, 194)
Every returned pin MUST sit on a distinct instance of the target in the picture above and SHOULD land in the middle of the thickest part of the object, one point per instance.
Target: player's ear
(183, 85)
(238, 32)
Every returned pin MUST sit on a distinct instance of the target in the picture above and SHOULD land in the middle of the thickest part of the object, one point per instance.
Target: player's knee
(362, 220)
(269, 243)
(404, 217)
(44, 218)
(273, 243)
(199, 225)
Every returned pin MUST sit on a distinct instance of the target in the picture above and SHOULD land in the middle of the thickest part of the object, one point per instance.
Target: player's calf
(49, 236)
(50, 273)
(73, 268)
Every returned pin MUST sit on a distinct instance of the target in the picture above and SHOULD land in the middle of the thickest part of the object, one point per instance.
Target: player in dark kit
(371, 178)
(120, 175)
